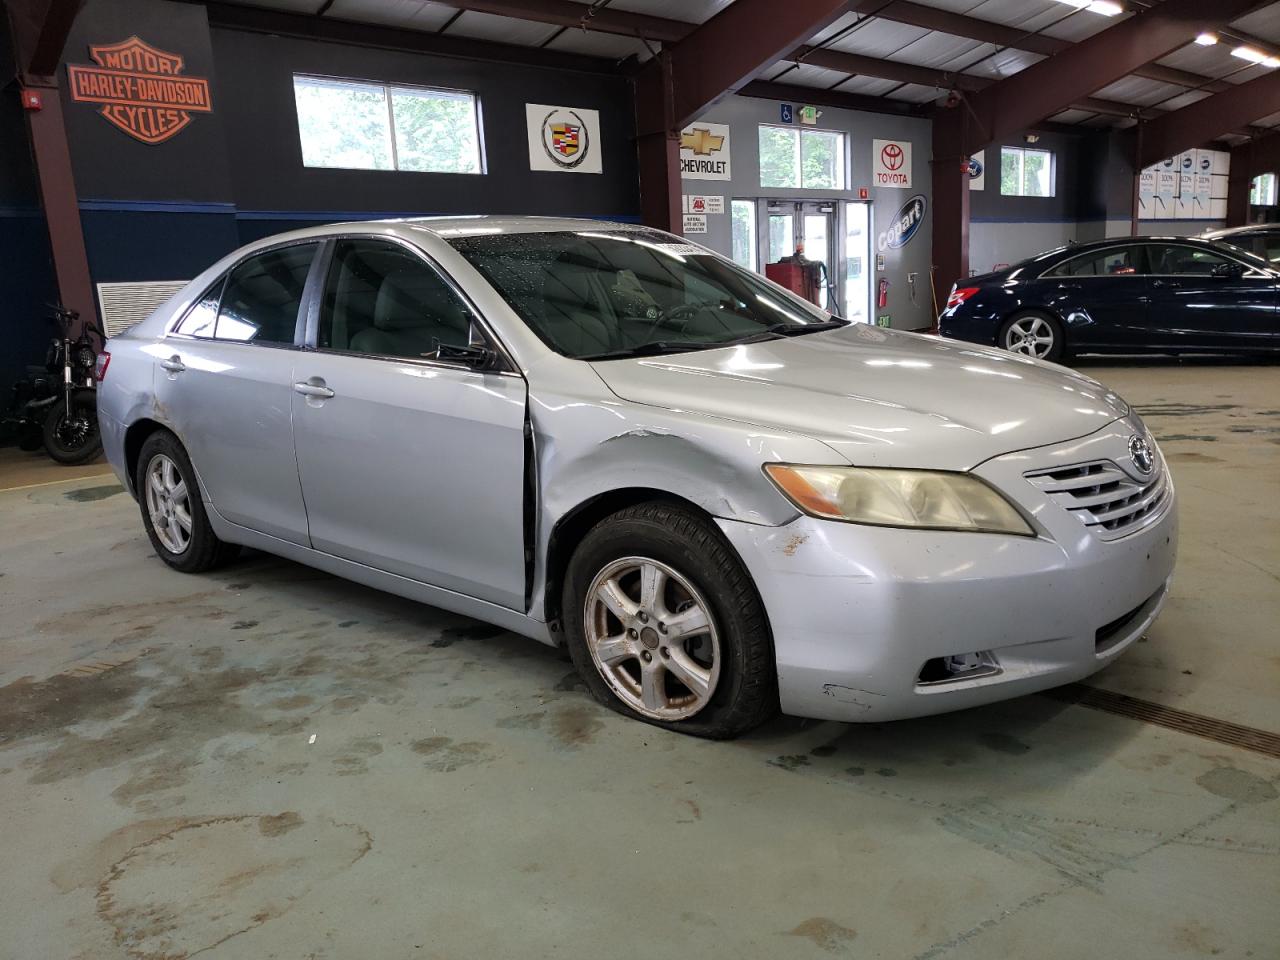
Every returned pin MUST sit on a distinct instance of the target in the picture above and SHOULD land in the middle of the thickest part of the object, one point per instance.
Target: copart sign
(905, 224)
(891, 163)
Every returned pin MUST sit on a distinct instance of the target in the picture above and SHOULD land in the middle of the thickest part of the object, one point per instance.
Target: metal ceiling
(1041, 24)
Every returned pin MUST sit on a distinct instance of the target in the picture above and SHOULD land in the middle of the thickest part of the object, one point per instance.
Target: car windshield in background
(605, 295)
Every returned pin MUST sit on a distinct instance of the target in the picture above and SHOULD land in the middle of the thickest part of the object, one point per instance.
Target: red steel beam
(972, 28)
(1051, 85)
(732, 48)
(767, 90)
(1209, 118)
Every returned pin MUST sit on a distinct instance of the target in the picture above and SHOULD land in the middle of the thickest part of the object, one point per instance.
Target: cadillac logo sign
(1144, 457)
(565, 138)
(140, 89)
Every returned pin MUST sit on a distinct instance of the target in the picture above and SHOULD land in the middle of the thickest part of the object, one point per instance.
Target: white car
(721, 499)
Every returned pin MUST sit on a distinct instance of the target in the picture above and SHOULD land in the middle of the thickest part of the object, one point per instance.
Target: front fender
(585, 449)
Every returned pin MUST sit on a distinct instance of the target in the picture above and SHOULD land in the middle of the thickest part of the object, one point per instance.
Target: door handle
(1157, 283)
(174, 364)
(313, 388)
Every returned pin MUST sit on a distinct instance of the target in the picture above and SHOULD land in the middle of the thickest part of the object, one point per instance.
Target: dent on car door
(223, 384)
(1209, 303)
(408, 464)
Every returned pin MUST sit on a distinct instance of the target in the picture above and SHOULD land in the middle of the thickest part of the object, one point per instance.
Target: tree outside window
(743, 217)
(1025, 172)
(1262, 190)
(797, 158)
(371, 126)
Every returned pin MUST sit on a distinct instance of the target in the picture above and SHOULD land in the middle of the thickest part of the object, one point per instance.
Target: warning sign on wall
(891, 163)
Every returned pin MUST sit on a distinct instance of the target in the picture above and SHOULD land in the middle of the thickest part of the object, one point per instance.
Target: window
(260, 300)
(799, 158)
(1025, 172)
(743, 215)
(1262, 190)
(374, 126)
(605, 293)
(1115, 262)
(1172, 260)
(384, 300)
(201, 319)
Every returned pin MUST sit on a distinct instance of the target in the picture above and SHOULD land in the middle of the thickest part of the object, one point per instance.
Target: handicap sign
(786, 113)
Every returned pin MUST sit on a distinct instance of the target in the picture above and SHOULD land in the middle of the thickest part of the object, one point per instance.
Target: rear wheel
(172, 511)
(664, 624)
(71, 435)
(1034, 334)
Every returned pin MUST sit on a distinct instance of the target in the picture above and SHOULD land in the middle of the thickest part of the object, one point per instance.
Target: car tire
(173, 512)
(72, 438)
(1030, 328)
(636, 663)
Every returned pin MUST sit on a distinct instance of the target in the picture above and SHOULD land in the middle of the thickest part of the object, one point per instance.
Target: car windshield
(599, 295)
(1225, 245)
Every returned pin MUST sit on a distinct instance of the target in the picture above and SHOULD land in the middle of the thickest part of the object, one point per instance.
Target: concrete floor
(269, 762)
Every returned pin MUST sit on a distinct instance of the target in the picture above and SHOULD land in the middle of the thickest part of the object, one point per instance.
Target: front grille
(1104, 497)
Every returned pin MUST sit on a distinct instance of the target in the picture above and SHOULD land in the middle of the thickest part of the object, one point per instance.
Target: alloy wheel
(168, 504)
(652, 638)
(1032, 336)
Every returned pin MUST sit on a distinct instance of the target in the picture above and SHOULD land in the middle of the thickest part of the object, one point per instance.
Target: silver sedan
(721, 499)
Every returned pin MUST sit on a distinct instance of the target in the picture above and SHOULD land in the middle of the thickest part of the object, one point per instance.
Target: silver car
(722, 500)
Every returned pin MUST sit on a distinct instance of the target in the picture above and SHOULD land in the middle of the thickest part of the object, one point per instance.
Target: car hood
(878, 397)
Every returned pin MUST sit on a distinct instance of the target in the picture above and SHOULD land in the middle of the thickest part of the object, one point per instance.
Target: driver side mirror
(1228, 271)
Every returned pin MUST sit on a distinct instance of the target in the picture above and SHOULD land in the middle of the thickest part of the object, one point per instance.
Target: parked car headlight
(928, 499)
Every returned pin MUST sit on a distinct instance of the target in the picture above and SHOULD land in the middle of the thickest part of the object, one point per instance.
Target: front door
(790, 225)
(1195, 309)
(223, 382)
(408, 464)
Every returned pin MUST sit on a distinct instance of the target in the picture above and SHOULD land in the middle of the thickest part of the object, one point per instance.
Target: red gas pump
(797, 274)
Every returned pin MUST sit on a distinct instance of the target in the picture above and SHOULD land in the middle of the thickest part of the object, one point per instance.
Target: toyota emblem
(1143, 456)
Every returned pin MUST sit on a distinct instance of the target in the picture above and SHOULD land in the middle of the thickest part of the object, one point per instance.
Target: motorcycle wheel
(72, 439)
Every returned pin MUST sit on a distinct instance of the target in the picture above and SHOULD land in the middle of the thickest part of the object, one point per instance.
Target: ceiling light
(1251, 54)
(1207, 39)
(1108, 8)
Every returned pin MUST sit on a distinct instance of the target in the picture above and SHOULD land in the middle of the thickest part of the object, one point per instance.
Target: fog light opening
(957, 667)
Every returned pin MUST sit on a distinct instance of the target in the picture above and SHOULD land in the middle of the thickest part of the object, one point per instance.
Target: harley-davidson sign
(140, 89)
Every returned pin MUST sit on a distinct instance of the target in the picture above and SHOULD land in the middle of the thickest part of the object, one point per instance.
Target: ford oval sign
(905, 224)
(975, 168)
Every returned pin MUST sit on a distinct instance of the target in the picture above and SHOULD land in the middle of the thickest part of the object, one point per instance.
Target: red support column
(58, 197)
(950, 180)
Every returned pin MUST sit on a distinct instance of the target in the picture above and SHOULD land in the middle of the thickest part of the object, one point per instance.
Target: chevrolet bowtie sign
(704, 151)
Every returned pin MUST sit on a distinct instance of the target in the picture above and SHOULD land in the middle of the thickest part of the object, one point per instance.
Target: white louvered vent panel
(124, 304)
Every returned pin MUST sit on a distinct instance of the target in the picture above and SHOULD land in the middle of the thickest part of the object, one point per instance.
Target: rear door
(224, 383)
(1102, 296)
(1201, 311)
(409, 464)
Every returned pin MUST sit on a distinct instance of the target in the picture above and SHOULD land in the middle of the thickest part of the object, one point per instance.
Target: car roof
(1233, 231)
(466, 226)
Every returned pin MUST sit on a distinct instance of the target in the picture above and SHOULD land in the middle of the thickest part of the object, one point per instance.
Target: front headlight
(929, 499)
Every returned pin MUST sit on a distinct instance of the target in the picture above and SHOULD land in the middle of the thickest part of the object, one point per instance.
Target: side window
(261, 298)
(1115, 262)
(383, 300)
(1173, 260)
(200, 319)
(1269, 247)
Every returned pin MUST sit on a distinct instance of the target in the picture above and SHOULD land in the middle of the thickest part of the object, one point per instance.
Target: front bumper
(857, 611)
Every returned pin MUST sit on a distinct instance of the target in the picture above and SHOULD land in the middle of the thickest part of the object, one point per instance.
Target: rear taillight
(100, 366)
(959, 296)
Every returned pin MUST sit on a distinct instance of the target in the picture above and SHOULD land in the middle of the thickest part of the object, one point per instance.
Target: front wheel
(665, 625)
(1034, 334)
(71, 437)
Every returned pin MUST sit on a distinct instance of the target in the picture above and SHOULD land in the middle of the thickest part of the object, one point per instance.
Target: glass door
(857, 262)
(787, 225)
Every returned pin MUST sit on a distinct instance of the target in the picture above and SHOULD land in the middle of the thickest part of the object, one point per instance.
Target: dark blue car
(1123, 296)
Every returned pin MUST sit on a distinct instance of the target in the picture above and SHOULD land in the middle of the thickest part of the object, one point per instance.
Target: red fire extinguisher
(882, 293)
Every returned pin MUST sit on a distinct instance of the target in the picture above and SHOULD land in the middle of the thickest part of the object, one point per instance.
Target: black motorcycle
(57, 406)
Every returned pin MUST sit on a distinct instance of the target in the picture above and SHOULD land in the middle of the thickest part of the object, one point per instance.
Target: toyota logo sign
(891, 156)
(1144, 457)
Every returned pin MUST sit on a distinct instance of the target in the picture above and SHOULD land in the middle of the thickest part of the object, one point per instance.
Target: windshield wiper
(653, 348)
(796, 329)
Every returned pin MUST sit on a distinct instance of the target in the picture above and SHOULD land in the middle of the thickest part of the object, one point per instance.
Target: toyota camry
(723, 501)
